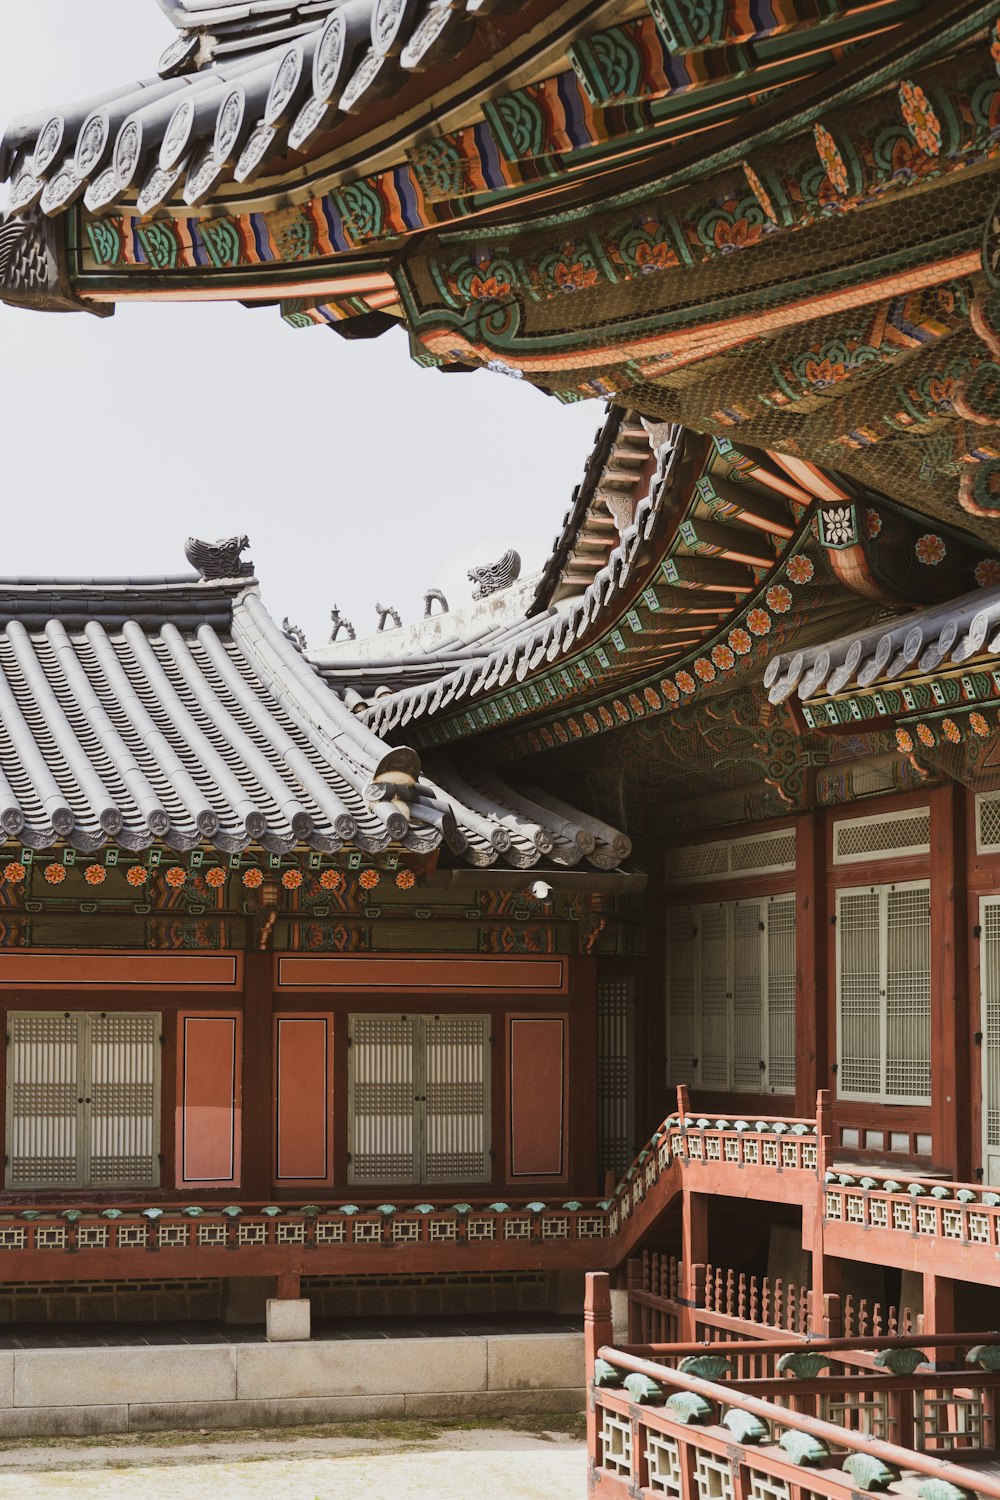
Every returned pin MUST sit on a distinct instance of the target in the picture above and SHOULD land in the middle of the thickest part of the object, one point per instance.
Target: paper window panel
(989, 1020)
(382, 1099)
(748, 1065)
(44, 1085)
(125, 1099)
(780, 915)
(614, 1074)
(714, 996)
(883, 983)
(908, 994)
(457, 1098)
(682, 952)
(859, 944)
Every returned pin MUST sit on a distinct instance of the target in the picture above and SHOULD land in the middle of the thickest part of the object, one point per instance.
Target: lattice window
(988, 820)
(419, 1091)
(83, 1100)
(731, 995)
(615, 1005)
(755, 854)
(882, 836)
(766, 1487)
(989, 1020)
(883, 982)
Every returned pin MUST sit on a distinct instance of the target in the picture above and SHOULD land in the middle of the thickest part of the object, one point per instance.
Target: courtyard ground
(543, 1460)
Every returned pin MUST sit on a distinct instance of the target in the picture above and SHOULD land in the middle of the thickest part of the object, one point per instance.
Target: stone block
(6, 1379)
(218, 1416)
(536, 1361)
(288, 1320)
(361, 1367)
(524, 1403)
(105, 1377)
(62, 1421)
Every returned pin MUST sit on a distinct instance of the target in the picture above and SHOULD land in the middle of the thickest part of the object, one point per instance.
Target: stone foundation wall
(73, 1392)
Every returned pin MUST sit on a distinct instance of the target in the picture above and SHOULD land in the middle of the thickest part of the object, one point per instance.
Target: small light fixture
(541, 890)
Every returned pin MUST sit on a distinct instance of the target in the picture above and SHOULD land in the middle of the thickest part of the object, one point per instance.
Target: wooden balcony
(952, 1229)
(782, 1420)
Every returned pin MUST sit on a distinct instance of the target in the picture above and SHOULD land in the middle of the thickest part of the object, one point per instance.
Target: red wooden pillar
(694, 1257)
(652, 1099)
(950, 1076)
(258, 1076)
(939, 1313)
(824, 1296)
(598, 1330)
(811, 968)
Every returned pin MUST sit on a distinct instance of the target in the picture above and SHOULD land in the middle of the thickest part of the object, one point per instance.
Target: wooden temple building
(653, 929)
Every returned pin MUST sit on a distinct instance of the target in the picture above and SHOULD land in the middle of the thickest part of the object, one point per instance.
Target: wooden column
(950, 1075)
(694, 1257)
(939, 1312)
(258, 1076)
(652, 1101)
(812, 1063)
(824, 1296)
(598, 1331)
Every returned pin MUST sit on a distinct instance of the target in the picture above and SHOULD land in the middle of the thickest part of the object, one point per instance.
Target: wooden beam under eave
(710, 573)
(750, 506)
(738, 543)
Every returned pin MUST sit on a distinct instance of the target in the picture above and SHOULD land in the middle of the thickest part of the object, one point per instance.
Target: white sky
(358, 476)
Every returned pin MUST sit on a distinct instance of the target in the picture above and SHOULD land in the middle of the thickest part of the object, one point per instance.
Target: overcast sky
(358, 476)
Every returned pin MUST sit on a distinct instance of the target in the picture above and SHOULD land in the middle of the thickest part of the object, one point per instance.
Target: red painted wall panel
(303, 1091)
(537, 1096)
(209, 1099)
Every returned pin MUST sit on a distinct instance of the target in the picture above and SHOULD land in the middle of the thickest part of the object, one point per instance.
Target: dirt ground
(375, 1461)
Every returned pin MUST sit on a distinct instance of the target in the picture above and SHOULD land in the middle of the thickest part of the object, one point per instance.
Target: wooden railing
(762, 1421)
(732, 1304)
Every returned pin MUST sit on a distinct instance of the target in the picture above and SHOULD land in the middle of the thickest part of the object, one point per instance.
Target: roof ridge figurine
(219, 559)
(499, 575)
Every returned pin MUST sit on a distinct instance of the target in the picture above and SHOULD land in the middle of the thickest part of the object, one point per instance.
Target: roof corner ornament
(432, 597)
(220, 559)
(499, 576)
(339, 624)
(294, 634)
(386, 612)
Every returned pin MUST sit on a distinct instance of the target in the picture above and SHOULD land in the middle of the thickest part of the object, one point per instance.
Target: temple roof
(175, 710)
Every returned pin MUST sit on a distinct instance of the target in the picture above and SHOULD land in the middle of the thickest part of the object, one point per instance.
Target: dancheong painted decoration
(636, 917)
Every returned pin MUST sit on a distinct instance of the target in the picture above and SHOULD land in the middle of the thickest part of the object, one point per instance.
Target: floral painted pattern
(873, 523)
(685, 682)
(670, 690)
(801, 570)
(620, 710)
(704, 669)
(829, 154)
(723, 658)
(979, 725)
(930, 549)
(779, 599)
(759, 191)
(405, 879)
(15, 873)
(291, 880)
(904, 740)
(921, 121)
(95, 874)
(368, 879)
(332, 880)
(55, 874)
(652, 697)
(925, 734)
(987, 572)
(950, 730)
(253, 879)
(137, 875)
(175, 877)
(759, 621)
(573, 276)
(740, 641)
(215, 877)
